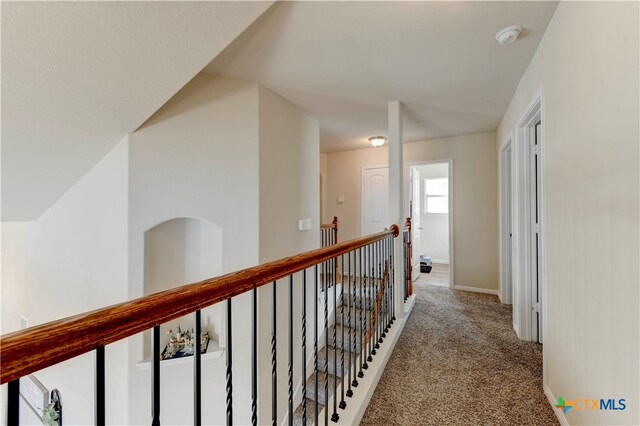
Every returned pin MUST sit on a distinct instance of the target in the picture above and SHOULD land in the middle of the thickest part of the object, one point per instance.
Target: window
(436, 196)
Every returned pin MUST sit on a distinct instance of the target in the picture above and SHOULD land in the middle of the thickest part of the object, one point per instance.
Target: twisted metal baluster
(229, 367)
(304, 347)
(274, 372)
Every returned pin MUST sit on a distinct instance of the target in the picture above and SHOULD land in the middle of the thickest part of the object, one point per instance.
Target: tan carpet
(459, 362)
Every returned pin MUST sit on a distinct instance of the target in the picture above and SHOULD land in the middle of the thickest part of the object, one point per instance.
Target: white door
(414, 203)
(375, 199)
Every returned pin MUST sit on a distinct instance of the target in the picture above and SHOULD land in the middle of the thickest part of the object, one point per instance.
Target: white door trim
(448, 161)
(506, 194)
(522, 273)
(369, 167)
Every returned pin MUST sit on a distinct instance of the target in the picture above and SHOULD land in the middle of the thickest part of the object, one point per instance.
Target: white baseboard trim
(476, 289)
(552, 400)
(441, 261)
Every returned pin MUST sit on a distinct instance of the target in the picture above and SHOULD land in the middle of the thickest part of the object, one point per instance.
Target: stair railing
(408, 267)
(363, 260)
(329, 237)
(329, 233)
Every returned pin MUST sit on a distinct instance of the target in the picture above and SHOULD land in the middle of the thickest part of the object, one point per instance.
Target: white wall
(73, 259)
(587, 64)
(434, 236)
(198, 157)
(323, 189)
(289, 191)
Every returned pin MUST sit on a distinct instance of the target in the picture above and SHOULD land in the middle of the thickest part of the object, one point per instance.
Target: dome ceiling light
(377, 140)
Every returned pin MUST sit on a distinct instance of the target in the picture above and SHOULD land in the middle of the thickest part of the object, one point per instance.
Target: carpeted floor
(459, 362)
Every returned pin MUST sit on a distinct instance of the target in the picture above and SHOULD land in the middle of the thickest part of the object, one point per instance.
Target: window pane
(438, 186)
(438, 204)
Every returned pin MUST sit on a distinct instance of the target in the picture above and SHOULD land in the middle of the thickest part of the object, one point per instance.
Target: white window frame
(426, 198)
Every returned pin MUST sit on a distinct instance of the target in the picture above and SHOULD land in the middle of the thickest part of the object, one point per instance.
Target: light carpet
(459, 362)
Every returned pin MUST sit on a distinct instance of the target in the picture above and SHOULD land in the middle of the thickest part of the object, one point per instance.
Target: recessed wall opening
(177, 252)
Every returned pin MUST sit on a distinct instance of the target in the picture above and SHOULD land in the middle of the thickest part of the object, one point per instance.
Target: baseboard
(441, 261)
(476, 289)
(552, 400)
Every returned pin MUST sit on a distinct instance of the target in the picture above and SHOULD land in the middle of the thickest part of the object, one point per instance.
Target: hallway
(459, 362)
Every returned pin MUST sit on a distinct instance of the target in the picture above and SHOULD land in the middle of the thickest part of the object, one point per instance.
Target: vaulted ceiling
(78, 76)
(342, 62)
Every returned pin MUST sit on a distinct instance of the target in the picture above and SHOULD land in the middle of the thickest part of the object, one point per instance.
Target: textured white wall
(587, 64)
(73, 260)
(289, 191)
(198, 157)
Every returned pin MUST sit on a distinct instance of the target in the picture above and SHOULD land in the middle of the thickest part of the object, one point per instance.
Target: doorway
(431, 211)
(506, 231)
(527, 223)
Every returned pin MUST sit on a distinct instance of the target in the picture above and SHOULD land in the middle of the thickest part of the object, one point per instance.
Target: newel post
(409, 276)
(335, 229)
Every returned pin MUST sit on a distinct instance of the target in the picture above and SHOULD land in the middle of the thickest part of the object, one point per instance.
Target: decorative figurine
(181, 343)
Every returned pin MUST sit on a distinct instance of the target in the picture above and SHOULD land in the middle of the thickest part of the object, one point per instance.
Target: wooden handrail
(26, 351)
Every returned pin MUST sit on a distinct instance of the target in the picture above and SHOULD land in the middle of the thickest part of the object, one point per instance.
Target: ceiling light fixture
(508, 35)
(377, 140)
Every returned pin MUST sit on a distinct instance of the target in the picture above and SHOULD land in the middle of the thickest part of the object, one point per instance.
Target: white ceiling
(342, 62)
(78, 76)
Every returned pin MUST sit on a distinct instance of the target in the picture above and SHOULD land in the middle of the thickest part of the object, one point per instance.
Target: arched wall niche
(181, 251)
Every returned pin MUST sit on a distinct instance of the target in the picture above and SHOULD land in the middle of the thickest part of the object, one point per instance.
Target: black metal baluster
(370, 301)
(393, 280)
(334, 416)
(374, 311)
(290, 375)
(254, 357)
(229, 366)
(155, 376)
(389, 293)
(100, 385)
(344, 346)
(304, 347)
(361, 327)
(376, 326)
(315, 342)
(326, 354)
(13, 403)
(386, 288)
(274, 372)
(197, 371)
(381, 291)
(343, 403)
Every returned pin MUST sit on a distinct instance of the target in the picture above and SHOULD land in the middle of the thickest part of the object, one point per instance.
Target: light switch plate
(340, 199)
(304, 224)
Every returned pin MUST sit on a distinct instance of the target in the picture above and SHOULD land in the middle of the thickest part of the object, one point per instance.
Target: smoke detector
(508, 35)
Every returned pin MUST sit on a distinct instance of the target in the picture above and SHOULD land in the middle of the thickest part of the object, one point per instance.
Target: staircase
(352, 325)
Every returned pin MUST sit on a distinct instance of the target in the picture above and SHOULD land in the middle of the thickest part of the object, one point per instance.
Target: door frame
(506, 218)
(522, 244)
(449, 162)
(369, 167)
